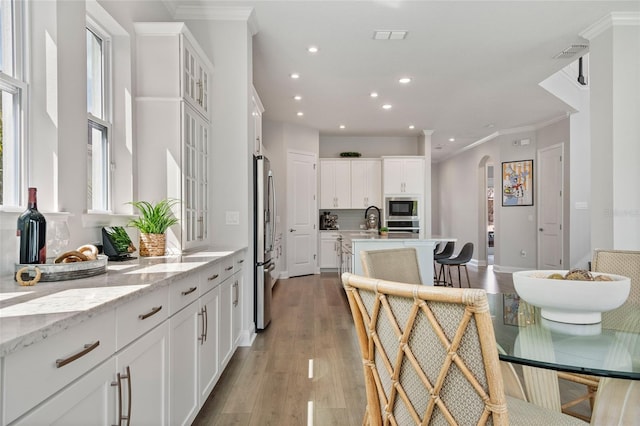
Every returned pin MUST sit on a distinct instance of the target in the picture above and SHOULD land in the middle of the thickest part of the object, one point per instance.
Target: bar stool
(446, 253)
(460, 260)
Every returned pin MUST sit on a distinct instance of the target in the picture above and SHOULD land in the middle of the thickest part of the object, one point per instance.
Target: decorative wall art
(517, 183)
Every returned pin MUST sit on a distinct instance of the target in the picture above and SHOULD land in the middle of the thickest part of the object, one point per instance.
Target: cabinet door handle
(187, 292)
(213, 277)
(153, 311)
(205, 326)
(235, 291)
(228, 268)
(118, 383)
(85, 350)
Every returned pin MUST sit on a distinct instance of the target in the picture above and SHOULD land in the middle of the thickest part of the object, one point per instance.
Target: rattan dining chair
(397, 264)
(619, 262)
(429, 357)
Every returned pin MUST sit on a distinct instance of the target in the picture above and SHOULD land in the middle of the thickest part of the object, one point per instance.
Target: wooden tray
(65, 271)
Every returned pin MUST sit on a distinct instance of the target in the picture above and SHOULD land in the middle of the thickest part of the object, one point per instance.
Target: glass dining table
(610, 348)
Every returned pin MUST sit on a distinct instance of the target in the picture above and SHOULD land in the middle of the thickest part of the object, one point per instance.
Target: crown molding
(218, 13)
(614, 19)
(502, 132)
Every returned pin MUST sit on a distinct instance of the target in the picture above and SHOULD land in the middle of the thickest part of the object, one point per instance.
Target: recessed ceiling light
(300, 114)
(386, 106)
(297, 97)
(452, 139)
(412, 126)
(404, 80)
(374, 94)
(295, 75)
(342, 126)
(312, 49)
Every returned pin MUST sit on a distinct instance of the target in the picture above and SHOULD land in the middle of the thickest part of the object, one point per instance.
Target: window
(99, 124)
(12, 102)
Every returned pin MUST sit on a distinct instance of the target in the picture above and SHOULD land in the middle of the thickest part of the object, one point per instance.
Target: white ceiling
(473, 63)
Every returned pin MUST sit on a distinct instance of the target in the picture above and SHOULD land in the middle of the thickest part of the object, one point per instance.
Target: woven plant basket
(152, 244)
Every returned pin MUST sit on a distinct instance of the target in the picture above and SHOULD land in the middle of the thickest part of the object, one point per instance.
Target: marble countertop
(30, 314)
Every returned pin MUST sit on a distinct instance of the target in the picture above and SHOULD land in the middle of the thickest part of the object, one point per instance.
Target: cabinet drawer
(183, 292)
(211, 278)
(36, 372)
(227, 267)
(239, 259)
(141, 315)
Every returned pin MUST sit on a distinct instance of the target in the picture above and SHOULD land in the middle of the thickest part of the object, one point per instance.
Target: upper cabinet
(350, 184)
(366, 183)
(335, 184)
(173, 127)
(403, 175)
(256, 111)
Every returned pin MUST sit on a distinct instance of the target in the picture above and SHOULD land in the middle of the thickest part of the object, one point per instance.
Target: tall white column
(425, 142)
(615, 130)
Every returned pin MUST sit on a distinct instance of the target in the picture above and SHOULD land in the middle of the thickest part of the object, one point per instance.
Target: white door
(550, 196)
(302, 214)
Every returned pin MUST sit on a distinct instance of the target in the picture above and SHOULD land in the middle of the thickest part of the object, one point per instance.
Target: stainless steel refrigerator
(263, 239)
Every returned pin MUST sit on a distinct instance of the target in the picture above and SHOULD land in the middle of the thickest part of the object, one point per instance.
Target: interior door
(301, 214)
(550, 178)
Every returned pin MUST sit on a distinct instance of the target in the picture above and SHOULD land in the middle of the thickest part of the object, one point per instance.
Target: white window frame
(105, 122)
(14, 156)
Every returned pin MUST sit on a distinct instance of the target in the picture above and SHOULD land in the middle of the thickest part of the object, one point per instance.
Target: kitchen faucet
(367, 211)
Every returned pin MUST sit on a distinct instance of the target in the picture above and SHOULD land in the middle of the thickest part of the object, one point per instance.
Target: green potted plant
(153, 222)
(384, 232)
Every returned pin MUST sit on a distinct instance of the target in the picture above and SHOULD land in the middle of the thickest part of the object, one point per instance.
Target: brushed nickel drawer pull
(153, 311)
(118, 383)
(241, 261)
(187, 292)
(87, 348)
(228, 268)
(213, 277)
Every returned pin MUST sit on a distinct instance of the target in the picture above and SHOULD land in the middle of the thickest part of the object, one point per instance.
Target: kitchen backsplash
(350, 219)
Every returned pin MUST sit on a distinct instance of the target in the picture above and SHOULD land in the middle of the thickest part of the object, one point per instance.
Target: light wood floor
(306, 363)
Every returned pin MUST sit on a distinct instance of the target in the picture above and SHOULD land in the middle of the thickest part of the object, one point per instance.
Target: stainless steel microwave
(402, 208)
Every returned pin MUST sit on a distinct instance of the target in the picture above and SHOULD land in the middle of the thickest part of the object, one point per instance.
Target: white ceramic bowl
(575, 302)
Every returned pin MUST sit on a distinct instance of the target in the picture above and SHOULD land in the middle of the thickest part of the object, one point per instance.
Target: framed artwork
(517, 183)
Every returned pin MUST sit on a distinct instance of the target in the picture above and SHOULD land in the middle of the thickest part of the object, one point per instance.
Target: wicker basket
(152, 244)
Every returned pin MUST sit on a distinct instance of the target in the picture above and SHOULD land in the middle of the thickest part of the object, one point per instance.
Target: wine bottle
(32, 230)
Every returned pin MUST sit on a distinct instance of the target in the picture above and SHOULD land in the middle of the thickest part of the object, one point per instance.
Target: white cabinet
(89, 401)
(184, 331)
(173, 127)
(335, 184)
(366, 183)
(208, 365)
(403, 175)
(329, 250)
(195, 72)
(142, 379)
(256, 112)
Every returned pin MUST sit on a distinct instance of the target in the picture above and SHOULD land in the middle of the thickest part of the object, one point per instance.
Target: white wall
(368, 146)
(57, 120)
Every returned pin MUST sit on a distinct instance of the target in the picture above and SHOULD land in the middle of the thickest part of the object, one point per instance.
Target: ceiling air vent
(389, 35)
(571, 51)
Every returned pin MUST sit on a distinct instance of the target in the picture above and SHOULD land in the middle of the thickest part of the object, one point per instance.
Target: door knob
(292, 230)
(540, 229)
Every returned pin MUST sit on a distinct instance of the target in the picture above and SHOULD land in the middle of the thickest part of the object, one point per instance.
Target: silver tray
(64, 271)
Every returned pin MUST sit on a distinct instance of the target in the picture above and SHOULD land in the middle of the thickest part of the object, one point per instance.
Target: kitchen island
(353, 242)
(150, 336)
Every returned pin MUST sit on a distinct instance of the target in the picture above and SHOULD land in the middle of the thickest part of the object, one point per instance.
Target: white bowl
(575, 302)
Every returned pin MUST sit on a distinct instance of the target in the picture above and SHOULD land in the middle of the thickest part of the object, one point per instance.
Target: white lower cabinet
(225, 343)
(185, 328)
(208, 344)
(142, 379)
(89, 401)
(152, 361)
(329, 250)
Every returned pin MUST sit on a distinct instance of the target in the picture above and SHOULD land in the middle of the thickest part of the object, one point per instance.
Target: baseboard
(247, 337)
(508, 269)
(284, 275)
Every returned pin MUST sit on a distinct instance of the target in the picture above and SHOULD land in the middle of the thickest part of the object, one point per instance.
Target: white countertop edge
(12, 338)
